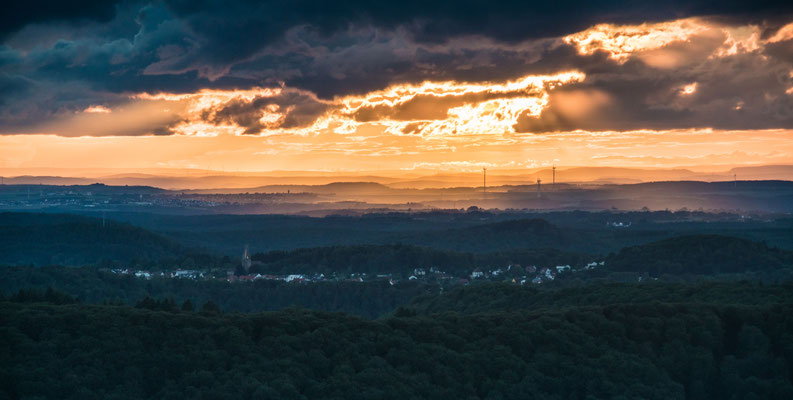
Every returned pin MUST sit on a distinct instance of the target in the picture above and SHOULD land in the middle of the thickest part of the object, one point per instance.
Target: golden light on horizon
(372, 149)
(575, 116)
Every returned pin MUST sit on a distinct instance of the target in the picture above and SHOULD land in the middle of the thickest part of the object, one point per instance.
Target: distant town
(513, 273)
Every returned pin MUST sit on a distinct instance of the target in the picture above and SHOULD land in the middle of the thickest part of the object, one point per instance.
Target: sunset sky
(408, 85)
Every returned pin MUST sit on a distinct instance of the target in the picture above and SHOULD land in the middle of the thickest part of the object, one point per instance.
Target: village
(512, 273)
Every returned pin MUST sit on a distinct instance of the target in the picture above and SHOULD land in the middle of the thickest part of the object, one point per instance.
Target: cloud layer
(428, 68)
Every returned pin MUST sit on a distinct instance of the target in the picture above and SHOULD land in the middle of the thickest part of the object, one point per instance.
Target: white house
(143, 274)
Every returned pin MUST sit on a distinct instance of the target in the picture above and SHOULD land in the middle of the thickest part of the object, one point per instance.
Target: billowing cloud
(286, 110)
(681, 74)
(429, 108)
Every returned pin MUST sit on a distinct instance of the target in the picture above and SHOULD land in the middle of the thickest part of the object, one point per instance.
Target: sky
(309, 85)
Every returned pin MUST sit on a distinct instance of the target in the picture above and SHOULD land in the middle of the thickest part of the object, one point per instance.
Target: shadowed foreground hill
(648, 351)
(497, 297)
(700, 254)
(91, 285)
(44, 239)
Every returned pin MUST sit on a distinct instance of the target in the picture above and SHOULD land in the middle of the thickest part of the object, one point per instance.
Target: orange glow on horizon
(372, 149)
(446, 125)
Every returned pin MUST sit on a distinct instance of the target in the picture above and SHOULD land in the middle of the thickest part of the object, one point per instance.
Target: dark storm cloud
(258, 22)
(17, 14)
(232, 32)
(290, 109)
(742, 91)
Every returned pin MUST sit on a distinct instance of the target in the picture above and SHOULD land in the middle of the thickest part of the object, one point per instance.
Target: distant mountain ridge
(206, 180)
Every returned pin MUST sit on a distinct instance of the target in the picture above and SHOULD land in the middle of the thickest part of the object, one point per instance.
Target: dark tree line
(495, 297)
(91, 285)
(700, 255)
(648, 351)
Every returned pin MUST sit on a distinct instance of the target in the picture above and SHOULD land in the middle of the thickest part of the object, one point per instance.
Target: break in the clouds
(411, 68)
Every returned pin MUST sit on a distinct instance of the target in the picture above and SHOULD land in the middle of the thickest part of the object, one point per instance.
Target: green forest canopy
(649, 351)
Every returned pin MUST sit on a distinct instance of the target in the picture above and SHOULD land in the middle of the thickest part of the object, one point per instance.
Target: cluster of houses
(179, 273)
(422, 273)
(268, 277)
(533, 274)
(513, 272)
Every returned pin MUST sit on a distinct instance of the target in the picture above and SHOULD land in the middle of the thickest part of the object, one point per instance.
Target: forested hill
(498, 297)
(402, 260)
(531, 233)
(647, 351)
(700, 254)
(42, 239)
(92, 285)
(522, 233)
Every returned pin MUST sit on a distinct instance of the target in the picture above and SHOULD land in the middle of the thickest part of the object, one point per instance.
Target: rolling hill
(42, 239)
(700, 255)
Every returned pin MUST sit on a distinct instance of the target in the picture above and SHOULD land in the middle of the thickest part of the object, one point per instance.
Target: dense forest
(376, 298)
(477, 231)
(60, 239)
(496, 297)
(649, 351)
(146, 239)
(689, 255)
(701, 255)
(667, 316)
(91, 285)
